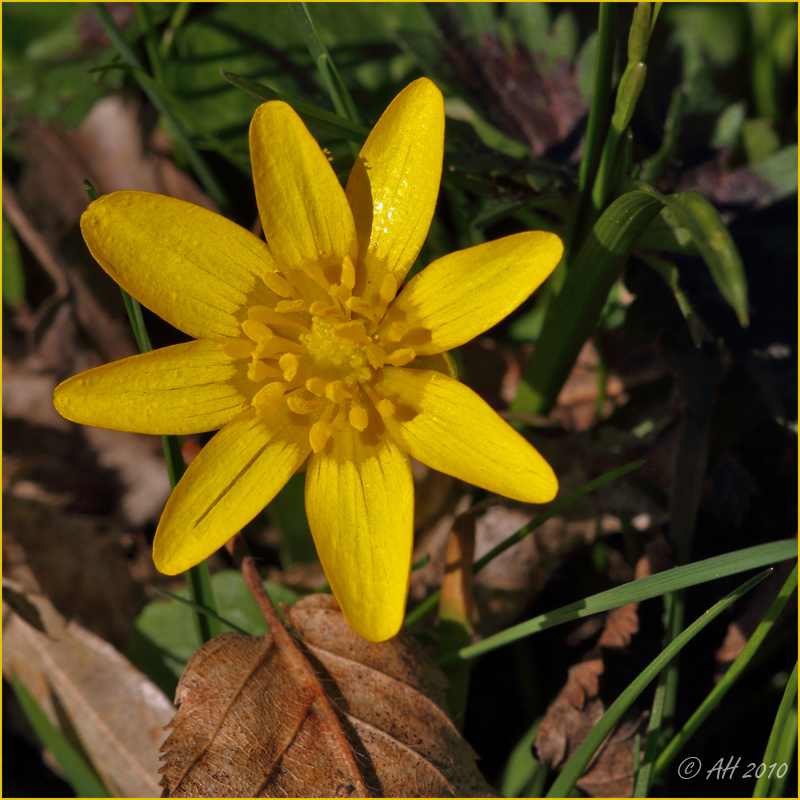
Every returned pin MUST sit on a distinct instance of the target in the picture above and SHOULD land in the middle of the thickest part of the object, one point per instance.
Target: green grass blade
(79, 774)
(787, 750)
(429, 603)
(521, 767)
(583, 755)
(312, 115)
(670, 580)
(198, 577)
(729, 678)
(573, 315)
(204, 174)
(715, 244)
(342, 101)
(778, 727)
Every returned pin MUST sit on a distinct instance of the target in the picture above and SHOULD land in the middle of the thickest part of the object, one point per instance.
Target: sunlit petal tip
(360, 506)
(394, 183)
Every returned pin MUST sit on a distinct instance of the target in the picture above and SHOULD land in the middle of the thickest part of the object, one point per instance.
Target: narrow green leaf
(342, 101)
(715, 244)
(573, 315)
(670, 580)
(787, 751)
(78, 773)
(521, 766)
(583, 755)
(778, 727)
(196, 161)
(728, 679)
(556, 508)
(334, 123)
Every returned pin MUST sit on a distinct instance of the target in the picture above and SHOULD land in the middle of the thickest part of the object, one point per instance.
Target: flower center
(321, 358)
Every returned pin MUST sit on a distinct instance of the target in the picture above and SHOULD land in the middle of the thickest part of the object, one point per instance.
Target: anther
(237, 348)
(269, 399)
(401, 357)
(289, 363)
(290, 306)
(257, 331)
(358, 417)
(278, 284)
(348, 278)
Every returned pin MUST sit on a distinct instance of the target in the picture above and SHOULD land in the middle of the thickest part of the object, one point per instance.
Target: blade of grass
(715, 244)
(311, 114)
(787, 750)
(670, 580)
(778, 727)
(340, 97)
(128, 55)
(728, 679)
(569, 776)
(556, 508)
(521, 767)
(198, 578)
(597, 123)
(78, 772)
(573, 314)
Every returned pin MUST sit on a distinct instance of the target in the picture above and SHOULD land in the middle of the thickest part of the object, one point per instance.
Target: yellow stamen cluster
(322, 357)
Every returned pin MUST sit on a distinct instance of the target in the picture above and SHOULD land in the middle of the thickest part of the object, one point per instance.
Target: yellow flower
(304, 353)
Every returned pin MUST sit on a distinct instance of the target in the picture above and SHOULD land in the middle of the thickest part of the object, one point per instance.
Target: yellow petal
(305, 214)
(465, 293)
(445, 425)
(360, 506)
(192, 267)
(236, 474)
(187, 388)
(394, 183)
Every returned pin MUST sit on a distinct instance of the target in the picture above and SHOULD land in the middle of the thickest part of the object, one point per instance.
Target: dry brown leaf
(323, 713)
(582, 702)
(87, 688)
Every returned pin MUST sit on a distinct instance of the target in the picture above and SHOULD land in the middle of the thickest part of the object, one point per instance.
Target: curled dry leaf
(88, 689)
(323, 713)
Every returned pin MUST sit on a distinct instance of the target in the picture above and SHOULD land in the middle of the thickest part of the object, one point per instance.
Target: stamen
(387, 292)
(336, 392)
(271, 317)
(316, 385)
(348, 278)
(305, 405)
(237, 348)
(375, 354)
(358, 417)
(278, 284)
(269, 399)
(320, 431)
(395, 333)
(289, 363)
(352, 333)
(385, 408)
(257, 331)
(268, 348)
(289, 306)
(321, 309)
(259, 371)
(361, 306)
(401, 357)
